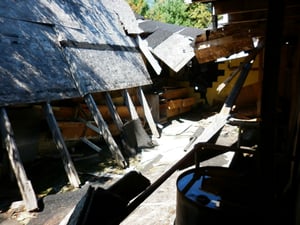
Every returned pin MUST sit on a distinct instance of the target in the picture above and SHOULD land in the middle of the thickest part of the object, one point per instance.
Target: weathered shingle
(56, 49)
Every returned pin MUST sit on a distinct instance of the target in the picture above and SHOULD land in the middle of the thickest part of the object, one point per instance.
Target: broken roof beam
(24, 184)
(225, 42)
(147, 112)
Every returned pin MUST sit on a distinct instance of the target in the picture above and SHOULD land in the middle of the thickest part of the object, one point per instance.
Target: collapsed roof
(54, 50)
(172, 44)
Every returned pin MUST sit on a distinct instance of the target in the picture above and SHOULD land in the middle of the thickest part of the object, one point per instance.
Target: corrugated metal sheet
(49, 47)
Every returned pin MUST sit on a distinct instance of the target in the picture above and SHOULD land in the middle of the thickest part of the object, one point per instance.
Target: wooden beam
(130, 105)
(24, 184)
(221, 118)
(119, 123)
(226, 41)
(61, 146)
(144, 48)
(148, 113)
(113, 111)
(112, 145)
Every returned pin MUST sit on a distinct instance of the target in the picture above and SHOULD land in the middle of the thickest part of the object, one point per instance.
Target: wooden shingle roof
(53, 50)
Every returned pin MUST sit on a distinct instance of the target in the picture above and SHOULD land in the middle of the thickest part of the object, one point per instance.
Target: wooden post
(119, 123)
(60, 144)
(147, 112)
(113, 111)
(104, 130)
(24, 184)
(133, 113)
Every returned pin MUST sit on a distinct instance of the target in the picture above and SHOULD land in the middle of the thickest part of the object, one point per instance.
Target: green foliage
(139, 6)
(200, 15)
(175, 12)
(170, 11)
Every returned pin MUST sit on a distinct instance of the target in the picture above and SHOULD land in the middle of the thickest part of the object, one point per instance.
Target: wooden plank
(222, 47)
(144, 48)
(112, 145)
(226, 41)
(174, 104)
(61, 146)
(175, 93)
(188, 102)
(130, 105)
(73, 130)
(119, 124)
(24, 184)
(91, 144)
(148, 113)
(113, 111)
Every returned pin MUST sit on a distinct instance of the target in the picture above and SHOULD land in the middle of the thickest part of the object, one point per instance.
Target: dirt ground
(160, 207)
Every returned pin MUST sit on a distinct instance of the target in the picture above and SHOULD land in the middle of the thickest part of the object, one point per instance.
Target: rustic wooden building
(56, 54)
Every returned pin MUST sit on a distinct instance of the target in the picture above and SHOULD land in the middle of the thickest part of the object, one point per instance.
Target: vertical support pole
(24, 184)
(147, 112)
(61, 146)
(104, 130)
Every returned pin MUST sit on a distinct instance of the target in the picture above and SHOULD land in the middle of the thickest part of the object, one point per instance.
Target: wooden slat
(130, 105)
(72, 130)
(112, 145)
(24, 184)
(119, 124)
(209, 51)
(144, 48)
(148, 113)
(61, 146)
(175, 93)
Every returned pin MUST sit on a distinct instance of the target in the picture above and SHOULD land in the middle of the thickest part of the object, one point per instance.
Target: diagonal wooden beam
(147, 112)
(104, 130)
(119, 123)
(24, 184)
(61, 146)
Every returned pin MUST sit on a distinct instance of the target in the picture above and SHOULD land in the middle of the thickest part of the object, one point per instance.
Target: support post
(24, 184)
(61, 146)
(133, 113)
(104, 130)
(147, 112)
(119, 123)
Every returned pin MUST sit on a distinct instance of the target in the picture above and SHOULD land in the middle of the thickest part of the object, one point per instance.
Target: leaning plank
(113, 111)
(130, 105)
(148, 113)
(24, 184)
(112, 145)
(60, 144)
(144, 48)
(119, 123)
